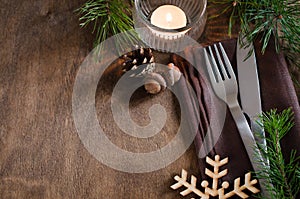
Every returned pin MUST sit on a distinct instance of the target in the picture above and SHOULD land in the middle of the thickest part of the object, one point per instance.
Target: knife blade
(249, 88)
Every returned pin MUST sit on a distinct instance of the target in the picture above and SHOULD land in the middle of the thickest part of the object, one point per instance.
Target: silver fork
(225, 86)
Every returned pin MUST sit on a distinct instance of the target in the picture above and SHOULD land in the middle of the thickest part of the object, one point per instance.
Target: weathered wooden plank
(41, 155)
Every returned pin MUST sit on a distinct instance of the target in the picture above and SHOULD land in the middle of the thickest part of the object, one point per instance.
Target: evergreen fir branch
(265, 19)
(282, 173)
(108, 17)
(276, 18)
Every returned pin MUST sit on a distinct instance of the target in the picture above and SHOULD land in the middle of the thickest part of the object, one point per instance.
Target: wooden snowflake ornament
(215, 175)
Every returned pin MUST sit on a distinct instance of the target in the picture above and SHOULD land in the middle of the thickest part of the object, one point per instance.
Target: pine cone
(137, 61)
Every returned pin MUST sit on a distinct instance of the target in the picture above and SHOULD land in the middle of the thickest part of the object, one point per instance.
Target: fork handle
(249, 143)
(244, 130)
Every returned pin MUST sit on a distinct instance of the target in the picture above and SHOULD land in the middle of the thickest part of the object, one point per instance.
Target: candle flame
(169, 17)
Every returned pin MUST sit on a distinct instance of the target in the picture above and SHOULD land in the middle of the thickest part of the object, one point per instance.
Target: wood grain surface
(41, 155)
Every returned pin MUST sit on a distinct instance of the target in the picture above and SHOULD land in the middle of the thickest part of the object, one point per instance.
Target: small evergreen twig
(266, 18)
(109, 17)
(283, 174)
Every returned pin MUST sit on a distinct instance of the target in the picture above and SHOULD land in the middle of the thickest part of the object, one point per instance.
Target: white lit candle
(168, 17)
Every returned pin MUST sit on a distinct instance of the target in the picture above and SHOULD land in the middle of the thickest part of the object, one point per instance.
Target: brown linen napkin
(277, 91)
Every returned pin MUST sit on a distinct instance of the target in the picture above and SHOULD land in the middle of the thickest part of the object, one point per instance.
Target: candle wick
(169, 17)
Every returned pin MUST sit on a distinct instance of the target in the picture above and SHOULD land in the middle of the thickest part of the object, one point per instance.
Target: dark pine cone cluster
(137, 61)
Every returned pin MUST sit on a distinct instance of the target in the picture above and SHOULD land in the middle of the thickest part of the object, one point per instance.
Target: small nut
(173, 74)
(176, 74)
(152, 87)
(169, 77)
(154, 83)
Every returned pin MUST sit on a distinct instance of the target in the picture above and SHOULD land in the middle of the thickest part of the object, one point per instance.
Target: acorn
(176, 72)
(169, 77)
(171, 74)
(154, 83)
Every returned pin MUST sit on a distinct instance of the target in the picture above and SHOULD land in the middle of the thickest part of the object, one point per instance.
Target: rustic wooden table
(41, 155)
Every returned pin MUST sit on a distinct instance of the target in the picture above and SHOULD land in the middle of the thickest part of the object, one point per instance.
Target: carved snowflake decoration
(215, 175)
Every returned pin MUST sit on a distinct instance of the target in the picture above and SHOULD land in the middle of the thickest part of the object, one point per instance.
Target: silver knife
(249, 88)
(250, 96)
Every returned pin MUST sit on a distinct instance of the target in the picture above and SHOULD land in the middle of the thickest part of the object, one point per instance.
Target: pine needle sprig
(265, 19)
(281, 173)
(108, 17)
(279, 19)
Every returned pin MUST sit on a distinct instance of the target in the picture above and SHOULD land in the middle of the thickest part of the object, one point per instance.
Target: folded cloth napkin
(277, 91)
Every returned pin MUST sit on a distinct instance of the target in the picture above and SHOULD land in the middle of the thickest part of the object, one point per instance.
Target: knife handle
(249, 142)
(258, 132)
(260, 137)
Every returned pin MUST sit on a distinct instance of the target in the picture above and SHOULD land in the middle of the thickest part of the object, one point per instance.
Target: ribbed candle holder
(156, 22)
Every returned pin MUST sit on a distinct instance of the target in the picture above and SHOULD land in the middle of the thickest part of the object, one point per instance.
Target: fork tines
(220, 65)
